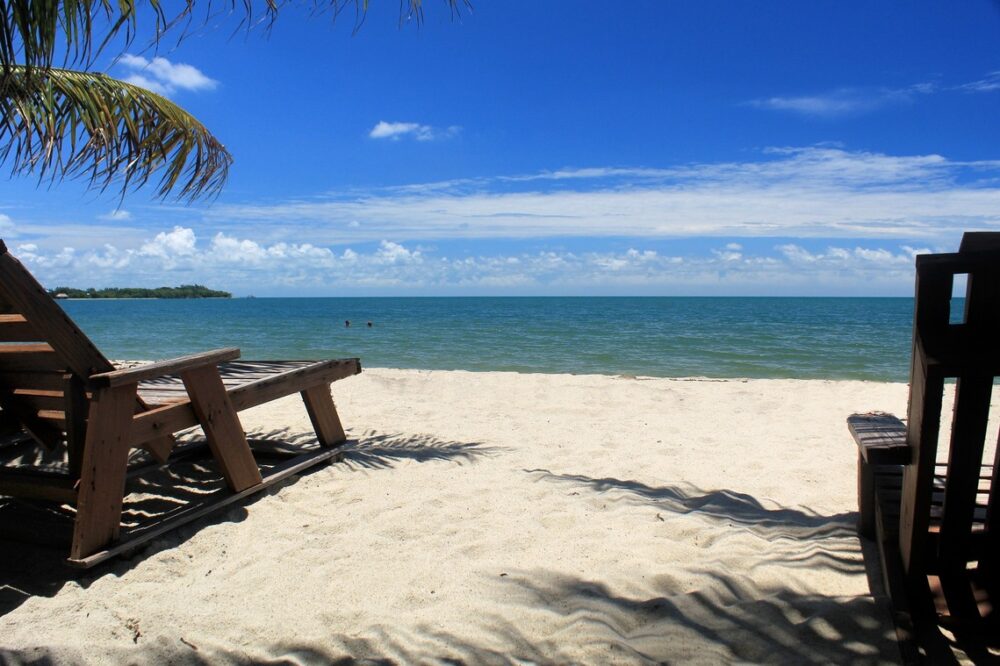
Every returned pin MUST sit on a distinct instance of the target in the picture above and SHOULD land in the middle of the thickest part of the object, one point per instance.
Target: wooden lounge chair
(57, 386)
(936, 522)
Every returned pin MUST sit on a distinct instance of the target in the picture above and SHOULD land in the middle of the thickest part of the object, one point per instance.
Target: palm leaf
(62, 123)
(58, 122)
(32, 32)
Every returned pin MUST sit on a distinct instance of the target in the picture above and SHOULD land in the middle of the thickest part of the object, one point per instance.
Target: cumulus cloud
(397, 130)
(164, 77)
(244, 265)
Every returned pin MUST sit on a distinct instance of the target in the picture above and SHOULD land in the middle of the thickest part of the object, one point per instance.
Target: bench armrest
(163, 368)
(881, 438)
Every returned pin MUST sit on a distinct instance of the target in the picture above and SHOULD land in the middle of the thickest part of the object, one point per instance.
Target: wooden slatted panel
(172, 418)
(965, 459)
(41, 398)
(34, 357)
(993, 512)
(15, 328)
(881, 438)
(890, 483)
(24, 297)
(972, 405)
(169, 389)
(43, 381)
(29, 299)
(923, 426)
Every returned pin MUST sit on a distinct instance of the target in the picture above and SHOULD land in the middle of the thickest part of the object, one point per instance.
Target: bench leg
(323, 414)
(866, 499)
(102, 470)
(222, 427)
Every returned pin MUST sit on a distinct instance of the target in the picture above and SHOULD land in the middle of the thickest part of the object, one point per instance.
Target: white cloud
(164, 77)
(844, 101)
(170, 247)
(852, 101)
(394, 253)
(118, 215)
(793, 192)
(398, 130)
(990, 83)
(247, 265)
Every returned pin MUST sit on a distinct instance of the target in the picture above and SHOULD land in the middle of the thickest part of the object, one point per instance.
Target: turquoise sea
(809, 338)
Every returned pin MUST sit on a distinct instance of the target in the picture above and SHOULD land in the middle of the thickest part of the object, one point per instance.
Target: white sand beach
(506, 518)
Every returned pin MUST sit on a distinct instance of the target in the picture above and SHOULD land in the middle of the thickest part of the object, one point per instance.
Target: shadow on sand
(38, 569)
(697, 611)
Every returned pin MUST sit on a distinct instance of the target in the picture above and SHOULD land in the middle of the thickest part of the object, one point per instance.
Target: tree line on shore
(183, 291)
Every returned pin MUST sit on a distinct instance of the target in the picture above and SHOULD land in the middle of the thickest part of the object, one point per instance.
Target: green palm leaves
(60, 123)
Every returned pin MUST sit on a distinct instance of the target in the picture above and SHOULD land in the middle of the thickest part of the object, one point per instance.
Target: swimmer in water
(347, 323)
(369, 324)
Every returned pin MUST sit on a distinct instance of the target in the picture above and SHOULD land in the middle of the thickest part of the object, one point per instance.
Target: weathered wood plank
(44, 432)
(323, 415)
(276, 474)
(924, 416)
(15, 328)
(19, 288)
(965, 459)
(881, 438)
(46, 381)
(28, 486)
(271, 388)
(222, 427)
(178, 416)
(75, 405)
(103, 468)
(40, 398)
(33, 357)
(160, 368)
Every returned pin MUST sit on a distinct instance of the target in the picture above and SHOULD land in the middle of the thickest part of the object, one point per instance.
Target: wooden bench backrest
(969, 352)
(42, 353)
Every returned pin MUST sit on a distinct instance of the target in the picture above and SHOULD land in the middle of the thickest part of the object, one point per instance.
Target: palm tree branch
(30, 29)
(61, 123)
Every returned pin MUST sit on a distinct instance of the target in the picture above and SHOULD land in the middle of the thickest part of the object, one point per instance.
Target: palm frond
(33, 32)
(61, 123)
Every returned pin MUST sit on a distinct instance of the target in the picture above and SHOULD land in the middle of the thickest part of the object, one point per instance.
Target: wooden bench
(58, 387)
(934, 520)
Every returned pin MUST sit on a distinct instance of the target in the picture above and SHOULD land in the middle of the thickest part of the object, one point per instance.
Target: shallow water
(831, 338)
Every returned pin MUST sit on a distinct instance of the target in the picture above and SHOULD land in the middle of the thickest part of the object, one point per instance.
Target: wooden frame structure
(58, 387)
(936, 523)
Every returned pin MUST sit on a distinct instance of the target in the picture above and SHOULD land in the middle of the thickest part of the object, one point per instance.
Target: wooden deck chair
(935, 520)
(67, 396)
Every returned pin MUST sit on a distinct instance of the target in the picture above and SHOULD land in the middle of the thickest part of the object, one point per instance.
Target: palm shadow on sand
(38, 569)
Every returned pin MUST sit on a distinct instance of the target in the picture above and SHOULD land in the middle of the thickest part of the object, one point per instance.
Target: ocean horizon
(864, 338)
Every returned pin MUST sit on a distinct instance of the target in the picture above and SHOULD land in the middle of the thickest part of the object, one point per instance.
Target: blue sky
(650, 148)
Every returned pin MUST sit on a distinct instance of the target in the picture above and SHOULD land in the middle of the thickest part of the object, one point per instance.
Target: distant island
(183, 291)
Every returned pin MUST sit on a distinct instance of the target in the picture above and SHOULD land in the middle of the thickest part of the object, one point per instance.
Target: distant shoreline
(146, 298)
(184, 291)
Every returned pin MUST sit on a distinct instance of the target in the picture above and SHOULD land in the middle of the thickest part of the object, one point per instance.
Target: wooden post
(103, 466)
(866, 498)
(222, 427)
(323, 414)
(75, 396)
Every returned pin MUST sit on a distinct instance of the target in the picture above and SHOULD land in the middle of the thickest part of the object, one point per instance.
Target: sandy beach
(506, 518)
